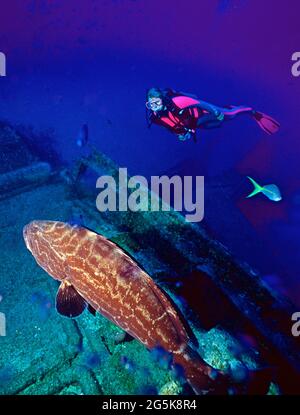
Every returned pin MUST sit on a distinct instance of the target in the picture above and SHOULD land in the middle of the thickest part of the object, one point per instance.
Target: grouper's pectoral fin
(69, 302)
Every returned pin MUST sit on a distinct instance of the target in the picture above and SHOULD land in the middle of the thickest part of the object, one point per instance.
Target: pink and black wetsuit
(183, 114)
(180, 115)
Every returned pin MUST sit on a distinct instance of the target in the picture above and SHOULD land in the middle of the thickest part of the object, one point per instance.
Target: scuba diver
(183, 113)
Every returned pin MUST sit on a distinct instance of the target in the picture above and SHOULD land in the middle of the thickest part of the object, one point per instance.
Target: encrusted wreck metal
(245, 302)
(221, 297)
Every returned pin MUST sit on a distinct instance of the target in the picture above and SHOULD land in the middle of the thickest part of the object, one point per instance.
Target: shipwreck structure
(224, 300)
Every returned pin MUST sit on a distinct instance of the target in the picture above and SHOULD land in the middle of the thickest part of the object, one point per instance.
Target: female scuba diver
(183, 114)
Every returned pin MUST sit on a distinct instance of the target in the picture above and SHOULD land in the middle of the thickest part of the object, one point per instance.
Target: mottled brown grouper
(95, 272)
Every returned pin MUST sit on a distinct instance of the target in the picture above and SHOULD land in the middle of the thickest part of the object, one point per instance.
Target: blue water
(91, 63)
(109, 95)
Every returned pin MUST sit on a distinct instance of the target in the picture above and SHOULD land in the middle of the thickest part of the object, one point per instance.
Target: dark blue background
(70, 63)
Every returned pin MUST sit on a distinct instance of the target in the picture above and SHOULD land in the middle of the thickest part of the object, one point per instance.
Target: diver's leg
(216, 115)
(265, 122)
(208, 121)
(232, 111)
(211, 124)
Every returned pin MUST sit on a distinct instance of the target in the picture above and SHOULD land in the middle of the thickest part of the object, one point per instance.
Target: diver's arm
(213, 112)
(189, 133)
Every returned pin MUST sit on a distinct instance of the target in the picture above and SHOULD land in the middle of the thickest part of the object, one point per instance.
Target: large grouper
(96, 274)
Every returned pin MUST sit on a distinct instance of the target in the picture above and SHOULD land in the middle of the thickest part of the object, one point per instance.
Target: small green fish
(271, 191)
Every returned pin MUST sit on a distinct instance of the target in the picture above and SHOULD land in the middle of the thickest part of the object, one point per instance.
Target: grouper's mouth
(28, 231)
(25, 237)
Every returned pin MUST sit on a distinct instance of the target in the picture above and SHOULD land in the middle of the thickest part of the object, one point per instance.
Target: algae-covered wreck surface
(239, 324)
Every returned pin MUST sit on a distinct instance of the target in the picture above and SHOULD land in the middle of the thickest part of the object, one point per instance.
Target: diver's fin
(92, 310)
(266, 123)
(69, 302)
(257, 187)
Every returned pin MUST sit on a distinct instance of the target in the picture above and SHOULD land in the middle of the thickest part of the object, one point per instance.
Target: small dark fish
(83, 136)
(128, 364)
(77, 219)
(43, 302)
(163, 357)
(239, 372)
(92, 360)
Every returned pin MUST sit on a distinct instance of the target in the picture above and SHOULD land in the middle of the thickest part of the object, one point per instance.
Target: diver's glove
(219, 115)
(186, 136)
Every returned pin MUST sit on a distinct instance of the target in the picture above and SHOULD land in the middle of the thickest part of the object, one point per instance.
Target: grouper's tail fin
(206, 380)
(202, 378)
(257, 187)
(266, 123)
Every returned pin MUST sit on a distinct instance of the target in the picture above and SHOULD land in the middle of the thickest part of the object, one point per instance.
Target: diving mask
(154, 104)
